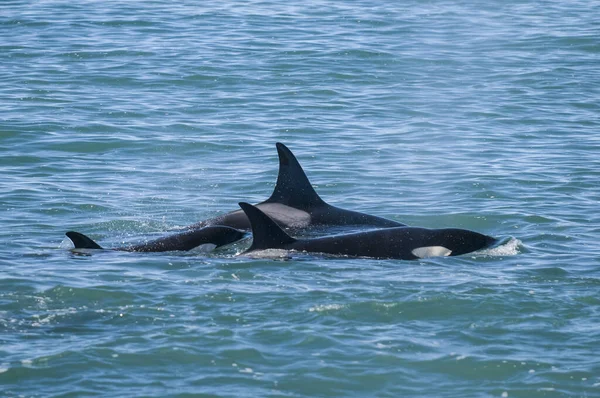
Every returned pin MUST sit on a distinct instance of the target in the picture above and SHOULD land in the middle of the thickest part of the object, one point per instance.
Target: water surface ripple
(127, 120)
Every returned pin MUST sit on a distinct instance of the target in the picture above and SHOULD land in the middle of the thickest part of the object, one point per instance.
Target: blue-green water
(127, 120)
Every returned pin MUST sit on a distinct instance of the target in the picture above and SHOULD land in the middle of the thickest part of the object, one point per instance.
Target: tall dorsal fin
(81, 241)
(266, 234)
(293, 187)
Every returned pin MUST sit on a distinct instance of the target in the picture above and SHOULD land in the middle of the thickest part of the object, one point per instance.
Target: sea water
(127, 121)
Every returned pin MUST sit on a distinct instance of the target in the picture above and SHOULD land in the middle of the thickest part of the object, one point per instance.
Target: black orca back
(215, 235)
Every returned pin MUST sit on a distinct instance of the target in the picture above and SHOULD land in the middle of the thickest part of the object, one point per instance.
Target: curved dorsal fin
(293, 187)
(266, 234)
(81, 241)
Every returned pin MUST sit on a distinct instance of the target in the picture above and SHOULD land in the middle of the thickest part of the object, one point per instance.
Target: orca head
(462, 241)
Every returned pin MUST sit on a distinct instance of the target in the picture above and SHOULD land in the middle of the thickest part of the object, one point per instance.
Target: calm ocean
(127, 120)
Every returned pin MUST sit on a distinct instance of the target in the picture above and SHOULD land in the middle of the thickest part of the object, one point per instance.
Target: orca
(296, 206)
(215, 236)
(405, 243)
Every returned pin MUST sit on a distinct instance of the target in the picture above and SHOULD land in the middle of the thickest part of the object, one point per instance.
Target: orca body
(405, 243)
(215, 236)
(296, 206)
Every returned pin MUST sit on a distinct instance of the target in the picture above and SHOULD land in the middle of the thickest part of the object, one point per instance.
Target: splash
(274, 254)
(202, 249)
(326, 307)
(511, 247)
(66, 244)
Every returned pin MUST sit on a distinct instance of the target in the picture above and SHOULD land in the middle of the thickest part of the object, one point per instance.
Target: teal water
(129, 120)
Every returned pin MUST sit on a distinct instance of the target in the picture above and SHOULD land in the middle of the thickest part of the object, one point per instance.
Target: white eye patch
(431, 251)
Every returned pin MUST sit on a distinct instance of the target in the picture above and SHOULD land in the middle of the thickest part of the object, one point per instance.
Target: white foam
(205, 248)
(510, 248)
(326, 307)
(66, 244)
(276, 254)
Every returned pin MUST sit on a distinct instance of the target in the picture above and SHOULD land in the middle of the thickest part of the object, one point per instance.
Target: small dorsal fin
(81, 241)
(266, 234)
(293, 187)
